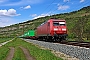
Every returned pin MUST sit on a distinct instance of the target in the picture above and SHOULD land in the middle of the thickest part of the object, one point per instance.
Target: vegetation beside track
(3, 52)
(76, 39)
(37, 53)
(4, 39)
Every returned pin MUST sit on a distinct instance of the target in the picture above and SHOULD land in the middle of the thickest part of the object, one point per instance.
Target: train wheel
(40, 38)
(51, 39)
(64, 38)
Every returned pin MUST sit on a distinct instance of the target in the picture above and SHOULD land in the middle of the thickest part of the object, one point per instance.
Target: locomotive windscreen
(57, 23)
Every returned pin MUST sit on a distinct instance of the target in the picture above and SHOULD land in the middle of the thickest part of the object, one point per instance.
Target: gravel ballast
(79, 52)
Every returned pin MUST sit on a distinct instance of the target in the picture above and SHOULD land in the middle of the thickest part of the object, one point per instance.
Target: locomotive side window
(48, 24)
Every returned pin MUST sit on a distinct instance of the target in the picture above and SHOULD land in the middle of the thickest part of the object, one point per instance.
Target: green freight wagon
(29, 34)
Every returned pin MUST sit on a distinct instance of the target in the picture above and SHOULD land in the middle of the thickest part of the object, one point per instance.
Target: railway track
(67, 48)
(75, 43)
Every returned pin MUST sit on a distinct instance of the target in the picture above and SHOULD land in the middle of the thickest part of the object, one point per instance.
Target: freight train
(51, 30)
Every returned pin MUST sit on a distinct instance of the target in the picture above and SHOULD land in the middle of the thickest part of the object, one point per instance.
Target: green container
(30, 33)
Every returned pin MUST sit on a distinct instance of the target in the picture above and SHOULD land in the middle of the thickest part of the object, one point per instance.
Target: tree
(78, 29)
(87, 29)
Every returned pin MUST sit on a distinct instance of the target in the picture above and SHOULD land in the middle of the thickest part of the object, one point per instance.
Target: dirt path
(26, 52)
(11, 54)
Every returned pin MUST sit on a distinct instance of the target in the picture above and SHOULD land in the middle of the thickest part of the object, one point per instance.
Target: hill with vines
(78, 23)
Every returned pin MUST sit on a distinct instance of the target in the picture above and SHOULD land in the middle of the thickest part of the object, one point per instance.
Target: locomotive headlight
(55, 29)
(63, 29)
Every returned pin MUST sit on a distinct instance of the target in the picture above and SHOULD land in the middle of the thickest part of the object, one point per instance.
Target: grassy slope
(36, 52)
(4, 39)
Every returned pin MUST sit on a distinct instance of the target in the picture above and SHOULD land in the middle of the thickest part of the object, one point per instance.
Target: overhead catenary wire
(48, 6)
(82, 4)
(52, 7)
(73, 7)
(50, 12)
(79, 5)
(61, 7)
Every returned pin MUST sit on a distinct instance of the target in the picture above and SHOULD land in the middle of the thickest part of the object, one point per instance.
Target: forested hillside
(78, 23)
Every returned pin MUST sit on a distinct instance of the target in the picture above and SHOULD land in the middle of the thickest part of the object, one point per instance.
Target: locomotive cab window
(59, 23)
(62, 23)
(55, 23)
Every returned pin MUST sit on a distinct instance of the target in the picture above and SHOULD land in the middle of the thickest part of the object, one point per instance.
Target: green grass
(4, 39)
(71, 39)
(86, 40)
(18, 55)
(3, 52)
(76, 39)
(37, 53)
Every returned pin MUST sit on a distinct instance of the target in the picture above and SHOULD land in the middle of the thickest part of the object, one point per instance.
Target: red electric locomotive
(52, 30)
